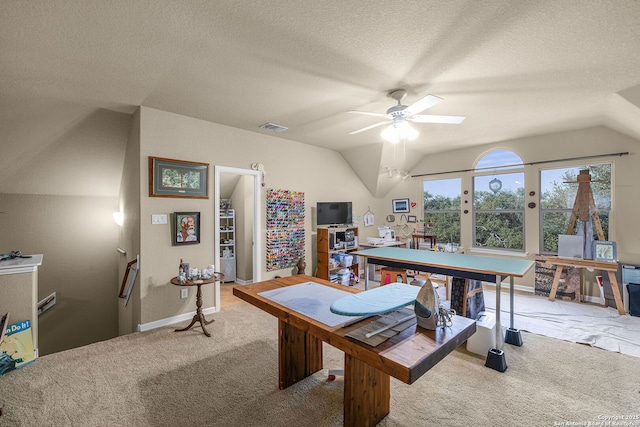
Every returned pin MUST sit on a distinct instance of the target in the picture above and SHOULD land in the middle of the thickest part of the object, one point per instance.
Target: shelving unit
(228, 244)
(328, 244)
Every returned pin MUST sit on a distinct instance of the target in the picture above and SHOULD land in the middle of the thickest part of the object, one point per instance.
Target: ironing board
(375, 301)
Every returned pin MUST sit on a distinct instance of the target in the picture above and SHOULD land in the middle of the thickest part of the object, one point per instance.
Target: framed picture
(604, 251)
(178, 178)
(400, 205)
(412, 218)
(186, 228)
(128, 280)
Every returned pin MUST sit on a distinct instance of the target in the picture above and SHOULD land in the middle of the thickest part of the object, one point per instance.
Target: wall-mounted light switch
(159, 219)
(184, 293)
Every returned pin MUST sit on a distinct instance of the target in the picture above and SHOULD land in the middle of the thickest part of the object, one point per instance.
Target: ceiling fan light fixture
(399, 131)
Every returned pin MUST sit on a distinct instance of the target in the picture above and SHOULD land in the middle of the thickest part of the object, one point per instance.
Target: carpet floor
(166, 378)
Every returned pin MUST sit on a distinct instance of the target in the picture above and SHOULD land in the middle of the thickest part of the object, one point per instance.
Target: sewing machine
(386, 233)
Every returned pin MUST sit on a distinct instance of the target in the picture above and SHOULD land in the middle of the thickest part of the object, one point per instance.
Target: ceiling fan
(399, 116)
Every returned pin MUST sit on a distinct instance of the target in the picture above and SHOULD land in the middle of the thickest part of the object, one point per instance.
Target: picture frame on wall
(185, 228)
(412, 218)
(604, 251)
(178, 178)
(400, 205)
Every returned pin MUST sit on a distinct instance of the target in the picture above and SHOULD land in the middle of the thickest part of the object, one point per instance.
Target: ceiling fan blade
(371, 127)
(367, 113)
(451, 120)
(422, 104)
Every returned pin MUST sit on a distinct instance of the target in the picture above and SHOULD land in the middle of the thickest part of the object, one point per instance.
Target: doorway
(243, 185)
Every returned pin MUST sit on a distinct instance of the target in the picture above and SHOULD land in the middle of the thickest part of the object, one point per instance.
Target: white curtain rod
(625, 153)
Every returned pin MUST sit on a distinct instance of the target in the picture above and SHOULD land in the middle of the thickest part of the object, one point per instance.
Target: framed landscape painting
(178, 178)
(400, 205)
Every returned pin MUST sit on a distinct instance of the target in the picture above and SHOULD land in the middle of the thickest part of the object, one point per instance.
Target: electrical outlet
(184, 293)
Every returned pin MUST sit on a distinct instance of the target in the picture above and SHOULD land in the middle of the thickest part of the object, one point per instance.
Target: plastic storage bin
(485, 336)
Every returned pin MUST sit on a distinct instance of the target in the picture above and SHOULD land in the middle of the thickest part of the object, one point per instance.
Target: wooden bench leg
(616, 292)
(299, 354)
(367, 393)
(556, 281)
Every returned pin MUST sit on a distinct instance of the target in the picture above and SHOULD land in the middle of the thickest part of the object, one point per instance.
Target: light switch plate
(158, 218)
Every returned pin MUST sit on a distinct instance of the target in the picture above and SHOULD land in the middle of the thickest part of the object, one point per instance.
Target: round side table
(198, 317)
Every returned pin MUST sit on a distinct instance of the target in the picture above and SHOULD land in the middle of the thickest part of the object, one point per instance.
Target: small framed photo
(604, 251)
(412, 218)
(186, 228)
(400, 205)
(178, 178)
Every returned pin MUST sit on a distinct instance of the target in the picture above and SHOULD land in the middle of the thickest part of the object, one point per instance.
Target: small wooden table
(367, 370)
(609, 267)
(423, 237)
(198, 317)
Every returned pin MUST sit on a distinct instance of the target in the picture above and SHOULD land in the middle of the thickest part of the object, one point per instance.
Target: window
(442, 210)
(558, 191)
(498, 202)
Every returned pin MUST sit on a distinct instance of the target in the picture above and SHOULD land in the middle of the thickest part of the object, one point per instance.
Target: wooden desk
(367, 370)
(484, 268)
(423, 237)
(610, 267)
(198, 317)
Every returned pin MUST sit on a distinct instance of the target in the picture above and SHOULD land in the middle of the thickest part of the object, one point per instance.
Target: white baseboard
(175, 319)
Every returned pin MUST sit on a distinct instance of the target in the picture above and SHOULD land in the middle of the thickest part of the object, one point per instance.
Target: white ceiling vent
(274, 127)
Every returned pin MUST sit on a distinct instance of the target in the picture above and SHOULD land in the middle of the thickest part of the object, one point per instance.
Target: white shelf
(227, 233)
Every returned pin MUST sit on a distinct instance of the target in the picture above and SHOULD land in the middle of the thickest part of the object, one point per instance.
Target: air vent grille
(274, 127)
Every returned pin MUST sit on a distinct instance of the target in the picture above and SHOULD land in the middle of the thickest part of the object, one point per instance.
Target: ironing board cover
(376, 301)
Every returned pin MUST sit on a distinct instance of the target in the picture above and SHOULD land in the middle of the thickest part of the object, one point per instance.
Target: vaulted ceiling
(512, 68)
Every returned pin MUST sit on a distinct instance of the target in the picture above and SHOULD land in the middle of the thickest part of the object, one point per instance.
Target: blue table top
(462, 262)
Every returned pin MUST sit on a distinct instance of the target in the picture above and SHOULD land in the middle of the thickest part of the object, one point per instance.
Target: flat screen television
(333, 213)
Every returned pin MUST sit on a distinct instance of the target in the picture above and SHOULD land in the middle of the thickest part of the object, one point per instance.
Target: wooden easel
(584, 205)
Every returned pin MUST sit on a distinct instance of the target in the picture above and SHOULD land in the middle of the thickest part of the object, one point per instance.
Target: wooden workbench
(610, 267)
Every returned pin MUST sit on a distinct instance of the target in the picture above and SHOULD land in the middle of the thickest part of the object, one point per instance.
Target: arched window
(498, 201)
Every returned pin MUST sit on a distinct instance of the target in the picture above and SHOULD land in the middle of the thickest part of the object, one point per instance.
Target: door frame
(257, 218)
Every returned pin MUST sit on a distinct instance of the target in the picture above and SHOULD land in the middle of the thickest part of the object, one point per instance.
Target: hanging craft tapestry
(285, 228)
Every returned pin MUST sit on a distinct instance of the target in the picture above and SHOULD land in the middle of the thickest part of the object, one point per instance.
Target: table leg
(367, 393)
(495, 357)
(556, 281)
(198, 317)
(299, 354)
(616, 291)
(366, 273)
(513, 335)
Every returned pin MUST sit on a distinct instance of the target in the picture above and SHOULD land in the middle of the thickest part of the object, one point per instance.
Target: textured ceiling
(513, 68)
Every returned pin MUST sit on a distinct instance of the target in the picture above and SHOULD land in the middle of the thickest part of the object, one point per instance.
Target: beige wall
(77, 236)
(58, 201)
(624, 227)
(322, 174)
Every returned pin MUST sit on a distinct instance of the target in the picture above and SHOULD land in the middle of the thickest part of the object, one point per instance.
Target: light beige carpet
(166, 378)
